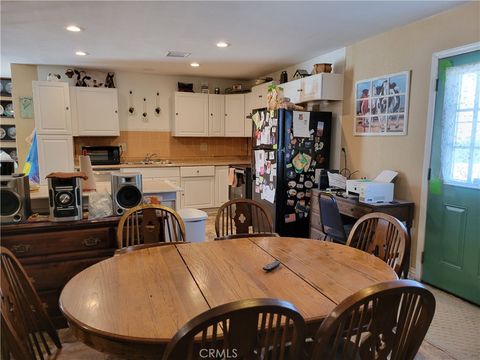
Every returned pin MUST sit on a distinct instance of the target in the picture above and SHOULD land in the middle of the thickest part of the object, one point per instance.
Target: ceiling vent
(177, 54)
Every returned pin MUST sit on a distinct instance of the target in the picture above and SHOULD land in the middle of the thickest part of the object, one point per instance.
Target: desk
(402, 210)
(133, 304)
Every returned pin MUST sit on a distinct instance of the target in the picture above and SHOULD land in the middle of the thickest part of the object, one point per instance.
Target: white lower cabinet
(221, 185)
(198, 185)
(198, 192)
(55, 153)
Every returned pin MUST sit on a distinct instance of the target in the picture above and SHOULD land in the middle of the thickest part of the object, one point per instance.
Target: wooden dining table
(133, 304)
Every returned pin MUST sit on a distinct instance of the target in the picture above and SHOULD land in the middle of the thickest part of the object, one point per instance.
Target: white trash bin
(194, 220)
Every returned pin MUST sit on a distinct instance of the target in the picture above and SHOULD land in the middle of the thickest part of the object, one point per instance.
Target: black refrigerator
(289, 148)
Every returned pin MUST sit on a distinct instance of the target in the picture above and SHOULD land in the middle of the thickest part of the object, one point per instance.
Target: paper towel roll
(86, 167)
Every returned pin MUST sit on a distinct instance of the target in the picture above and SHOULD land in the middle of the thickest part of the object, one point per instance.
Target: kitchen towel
(86, 167)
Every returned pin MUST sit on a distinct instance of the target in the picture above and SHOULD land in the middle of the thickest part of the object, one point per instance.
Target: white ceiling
(134, 35)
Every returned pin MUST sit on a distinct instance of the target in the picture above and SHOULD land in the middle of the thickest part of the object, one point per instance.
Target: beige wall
(22, 77)
(406, 48)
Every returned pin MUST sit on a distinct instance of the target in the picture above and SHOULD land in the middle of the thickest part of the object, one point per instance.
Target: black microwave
(103, 155)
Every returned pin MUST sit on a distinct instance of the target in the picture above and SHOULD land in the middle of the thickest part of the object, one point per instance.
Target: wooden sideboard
(54, 252)
(402, 210)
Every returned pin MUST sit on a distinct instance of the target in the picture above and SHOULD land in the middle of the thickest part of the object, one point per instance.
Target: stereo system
(126, 191)
(14, 198)
(65, 198)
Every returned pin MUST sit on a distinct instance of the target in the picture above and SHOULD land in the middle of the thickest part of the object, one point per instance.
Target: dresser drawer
(194, 171)
(47, 243)
(54, 275)
(356, 211)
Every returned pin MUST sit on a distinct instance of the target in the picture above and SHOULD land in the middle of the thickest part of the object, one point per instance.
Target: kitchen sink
(153, 162)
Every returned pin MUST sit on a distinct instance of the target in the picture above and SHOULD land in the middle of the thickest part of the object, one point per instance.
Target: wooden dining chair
(385, 321)
(148, 224)
(242, 216)
(383, 236)
(27, 331)
(330, 219)
(244, 329)
(129, 249)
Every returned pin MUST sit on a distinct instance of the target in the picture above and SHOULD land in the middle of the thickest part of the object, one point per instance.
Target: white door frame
(428, 149)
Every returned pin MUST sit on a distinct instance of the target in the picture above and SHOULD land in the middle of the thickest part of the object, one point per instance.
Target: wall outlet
(203, 147)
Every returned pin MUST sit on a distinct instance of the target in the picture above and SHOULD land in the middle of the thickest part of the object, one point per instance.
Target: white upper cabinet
(94, 111)
(322, 86)
(55, 153)
(259, 95)
(51, 101)
(216, 119)
(235, 115)
(248, 113)
(191, 114)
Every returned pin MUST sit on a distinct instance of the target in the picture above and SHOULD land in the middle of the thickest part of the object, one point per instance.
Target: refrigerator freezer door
(303, 155)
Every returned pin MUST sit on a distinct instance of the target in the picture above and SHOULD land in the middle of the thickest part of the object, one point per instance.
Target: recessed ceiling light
(223, 44)
(73, 28)
(81, 53)
(194, 64)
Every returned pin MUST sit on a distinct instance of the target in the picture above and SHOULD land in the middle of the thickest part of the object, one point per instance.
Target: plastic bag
(99, 205)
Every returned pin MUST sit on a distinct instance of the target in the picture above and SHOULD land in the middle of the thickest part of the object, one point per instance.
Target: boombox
(15, 198)
(126, 191)
(65, 198)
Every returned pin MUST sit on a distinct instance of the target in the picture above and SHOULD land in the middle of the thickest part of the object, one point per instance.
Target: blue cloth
(31, 164)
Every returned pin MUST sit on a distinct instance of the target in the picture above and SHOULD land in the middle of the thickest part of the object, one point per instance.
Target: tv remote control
(271, 266)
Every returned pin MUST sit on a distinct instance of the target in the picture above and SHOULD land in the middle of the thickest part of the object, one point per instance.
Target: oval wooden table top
(135, 303)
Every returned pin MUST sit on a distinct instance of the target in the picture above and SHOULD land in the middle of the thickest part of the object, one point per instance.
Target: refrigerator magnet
(289, 218)
(300, 195)
(299, 186)
(302, 177)
(290, 173)
(291, 184)
(308, 184)
(271, 155)
(320, 126)
(291, 202)
(292, 192)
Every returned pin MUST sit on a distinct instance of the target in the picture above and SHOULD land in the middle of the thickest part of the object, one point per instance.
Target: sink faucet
(149, 157)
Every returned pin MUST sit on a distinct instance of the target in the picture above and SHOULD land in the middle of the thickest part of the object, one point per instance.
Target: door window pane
(460, 158)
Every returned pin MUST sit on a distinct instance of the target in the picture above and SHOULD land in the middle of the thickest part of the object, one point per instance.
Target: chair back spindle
(385, 321)
(383, 236)
(148, 224)
(246, 329)
(242, 216)
(25, 323)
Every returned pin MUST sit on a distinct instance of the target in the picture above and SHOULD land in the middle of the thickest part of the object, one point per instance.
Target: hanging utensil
(157, 108)
(131, 108)
(144, 114)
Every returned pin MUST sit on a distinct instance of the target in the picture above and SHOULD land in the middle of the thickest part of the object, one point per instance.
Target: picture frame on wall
(381, 105)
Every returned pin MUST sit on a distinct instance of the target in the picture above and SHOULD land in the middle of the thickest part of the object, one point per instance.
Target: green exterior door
(451, 259)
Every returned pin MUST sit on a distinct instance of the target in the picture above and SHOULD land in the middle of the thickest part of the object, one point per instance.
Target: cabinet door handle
(67, 108)
(299, 89)
(90, 242)
(176, 113)
(21, 249)
(260, 96)
(116, 112)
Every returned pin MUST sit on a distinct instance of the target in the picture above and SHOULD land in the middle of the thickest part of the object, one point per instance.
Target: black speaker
(126, 191)
(65, 198)
(15, 198)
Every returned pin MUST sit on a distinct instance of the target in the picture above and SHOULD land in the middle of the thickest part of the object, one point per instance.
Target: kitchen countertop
(149, 186)
(178, 163)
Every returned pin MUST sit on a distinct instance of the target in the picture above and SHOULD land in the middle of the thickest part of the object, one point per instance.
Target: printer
(378, 190)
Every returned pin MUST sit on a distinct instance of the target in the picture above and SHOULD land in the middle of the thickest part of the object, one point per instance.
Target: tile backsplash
(166, 146)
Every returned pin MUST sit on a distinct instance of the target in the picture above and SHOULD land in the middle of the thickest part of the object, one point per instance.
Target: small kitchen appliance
(103, 155)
